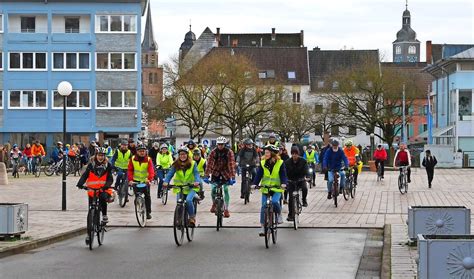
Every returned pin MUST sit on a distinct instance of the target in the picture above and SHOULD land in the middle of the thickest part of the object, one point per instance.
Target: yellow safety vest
(200, 166)
(184, 178)
(122, 159)
(191, 152)
(140, 171)
(310, 157)
(273, 178)
(164, 160)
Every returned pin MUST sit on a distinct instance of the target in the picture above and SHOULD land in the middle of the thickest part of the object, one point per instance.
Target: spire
(406, 5)
(149, 43)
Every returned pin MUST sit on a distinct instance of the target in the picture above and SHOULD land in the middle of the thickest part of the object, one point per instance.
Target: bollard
(3, 174)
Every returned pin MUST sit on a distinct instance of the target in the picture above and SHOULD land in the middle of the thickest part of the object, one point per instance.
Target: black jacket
(297, 170)
(98, 170)
(152, 153)
(429, 163)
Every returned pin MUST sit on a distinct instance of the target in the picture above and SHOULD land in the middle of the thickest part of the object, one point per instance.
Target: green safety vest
(184, 178)
(310, 157)
(277, 143)
(191, 152)
(110, 152)
(122, 159)
(140, 171)
(200, 166)
(271, 179)
(164, 160)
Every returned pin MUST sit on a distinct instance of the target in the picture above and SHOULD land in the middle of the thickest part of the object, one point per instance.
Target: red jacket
(27, 152)
(151, 170)
(380, 154)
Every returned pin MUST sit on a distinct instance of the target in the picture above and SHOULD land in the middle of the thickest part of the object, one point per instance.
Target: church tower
(406, 48)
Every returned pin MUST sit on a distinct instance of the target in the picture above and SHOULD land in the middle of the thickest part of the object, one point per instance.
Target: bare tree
(292, 119)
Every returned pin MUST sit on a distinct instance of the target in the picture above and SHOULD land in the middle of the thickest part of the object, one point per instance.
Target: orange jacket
(351, 154)
(37, 150)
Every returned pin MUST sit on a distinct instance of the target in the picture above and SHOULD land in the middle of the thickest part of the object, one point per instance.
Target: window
(28, 24)
(335, 130)
(1, 61)
(28, 99)
(116, 24)
(466, 66)
(77, 100)
(352, 131)
(270, 73)
(262, 75)
(1, 99)
(398, 50)
(72, 24)
(27, 61)
(321, 84)
(296, 97)
(291, 75)
(318, 108)
(335, 85)
(1, 23)
(116, 61)
(412, 50)
(117, 99)
(155, 78)
(150, 78)
(71, 61)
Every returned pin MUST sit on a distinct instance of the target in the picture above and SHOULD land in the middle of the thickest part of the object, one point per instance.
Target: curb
(34, 244)
(387, 252)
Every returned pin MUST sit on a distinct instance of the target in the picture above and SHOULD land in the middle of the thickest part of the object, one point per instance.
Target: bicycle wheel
(346, 193)
(123, 194)
(49, 170)
(379, 173)
(219, 213)
(353, 190)
(100, 229)
(275, 228)
(164, 196)
(314, 178)
(246, 191)
(406, 185)
(190, 230)
(140, 211)
(401, 186)
(91, 227)
(178, 225)
(37, 170)
(335, 192)
(268, 223)
(296, 212)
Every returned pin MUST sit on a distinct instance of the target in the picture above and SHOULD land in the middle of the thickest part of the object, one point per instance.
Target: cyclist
(296, 168)
(403, 158)
(37, 151)
(271, 172)
(92, 148)
(380, 156)
(132, 146)
(191, 147)
(201, 165)
(15, 157)
(352, 154)
(184, 171)
(333, 157)
(110, 151)
(272, 140)
(221, 168)
(120, 162)
(27, 156)
(163, 162)
(140, 170)
(206, 148)
(247, 156)
(98, 175)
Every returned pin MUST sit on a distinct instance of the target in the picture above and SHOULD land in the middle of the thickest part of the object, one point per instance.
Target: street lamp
(372, 142)
(64, 89)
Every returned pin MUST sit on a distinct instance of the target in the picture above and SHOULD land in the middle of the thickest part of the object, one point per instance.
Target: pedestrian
(429, 162)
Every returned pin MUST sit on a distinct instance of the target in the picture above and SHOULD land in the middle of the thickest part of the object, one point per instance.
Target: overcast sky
(329, 24)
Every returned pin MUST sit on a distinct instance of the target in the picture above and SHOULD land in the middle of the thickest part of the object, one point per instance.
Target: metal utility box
(13, 218)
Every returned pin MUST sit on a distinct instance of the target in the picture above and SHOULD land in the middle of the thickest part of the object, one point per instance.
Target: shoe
(213, 208)
(148, 216)
(382, 177)
(429, 185)
(261, 232)
(355, 183)
(305, 204)
(285, 201)
(226, 213)
(105, 219)
(192, 222)
(329, 196)
(409, 181)
(242, 196)
(280, 219)
(290, 219)
(87, 240)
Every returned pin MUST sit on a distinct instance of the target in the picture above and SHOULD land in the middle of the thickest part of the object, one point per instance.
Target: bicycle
(123, 187)
(312, 173)
(297, 205)
(270, 217)
(28, 166)
(246, 182)
(56, 168)
(402, 180)
(379, 171)
(36, 165)
(140, 207)
(15, 166)
(335, 186)
(350, 188)
(181, 216)
(94, 225)
(219, 200)
(164, 189)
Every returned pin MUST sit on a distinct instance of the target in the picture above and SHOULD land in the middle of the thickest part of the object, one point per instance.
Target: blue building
(93, 44)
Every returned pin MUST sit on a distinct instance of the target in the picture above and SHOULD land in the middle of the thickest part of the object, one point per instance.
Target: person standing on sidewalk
(429, 162)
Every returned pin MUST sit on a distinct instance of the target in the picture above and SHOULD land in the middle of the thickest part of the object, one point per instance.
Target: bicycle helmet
(196, 152)
(221, 140)
(191, 142)
(141, 146)
(348, 143)
(248, 141)
(15, 145)
(101, 150)
(59, 143)
(164, 146)
(272, 148)
(124, 142)
(183, 149)
(334, 141)
(272, 136)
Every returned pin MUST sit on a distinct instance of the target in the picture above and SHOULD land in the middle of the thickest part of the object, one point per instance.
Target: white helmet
(221, 140)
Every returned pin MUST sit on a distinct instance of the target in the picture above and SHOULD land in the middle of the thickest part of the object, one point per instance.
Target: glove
(283, 186)
(206, 179)
(232, 181)
(80, 187)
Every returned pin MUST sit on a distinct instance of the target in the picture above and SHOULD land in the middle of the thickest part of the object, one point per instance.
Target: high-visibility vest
(310, 157)
(277, 143)
(273, 178)
(200, 166)
(122, 159)
(164, 160)
(351, 154)
(95, 182)
(184, 177)
(140, 171)
(109, 153)
(192, 150)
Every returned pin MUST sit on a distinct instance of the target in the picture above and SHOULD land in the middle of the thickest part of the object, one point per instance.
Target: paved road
(232, 253)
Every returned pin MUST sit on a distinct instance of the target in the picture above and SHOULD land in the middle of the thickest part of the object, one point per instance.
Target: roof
(449, 53)
(467, 54)
(323, 63)
(149, 43)
(263, 39)
(280, 59)
(443, 51)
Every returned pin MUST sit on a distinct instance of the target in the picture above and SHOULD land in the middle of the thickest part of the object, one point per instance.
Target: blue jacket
(172, 171)
(333, 160)
(258, 177)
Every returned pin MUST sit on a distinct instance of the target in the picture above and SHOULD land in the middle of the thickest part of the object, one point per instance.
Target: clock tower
(406, 48)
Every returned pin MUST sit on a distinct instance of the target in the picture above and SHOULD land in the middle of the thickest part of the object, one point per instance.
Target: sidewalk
(375, 205)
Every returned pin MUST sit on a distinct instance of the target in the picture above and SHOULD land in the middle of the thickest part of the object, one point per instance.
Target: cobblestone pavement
(376, 204)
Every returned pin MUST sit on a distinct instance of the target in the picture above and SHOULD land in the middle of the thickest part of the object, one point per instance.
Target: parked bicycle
(181, 216)
(94, 224)
(296, 203)
(270, 217)
(140, 207)
(246, 182)
(402, 180)
(57, 168)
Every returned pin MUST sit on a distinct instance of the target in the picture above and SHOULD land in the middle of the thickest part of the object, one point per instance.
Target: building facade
(93, 44)
(406, 48)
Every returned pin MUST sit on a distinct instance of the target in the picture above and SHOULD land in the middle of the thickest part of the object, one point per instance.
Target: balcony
(27, 28)
(71, 28)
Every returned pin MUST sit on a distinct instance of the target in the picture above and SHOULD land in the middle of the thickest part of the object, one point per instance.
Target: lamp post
(372, 143)
(64, 89)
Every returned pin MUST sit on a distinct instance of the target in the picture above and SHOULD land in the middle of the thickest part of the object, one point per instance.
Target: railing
(72, 30)
(28, 30)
